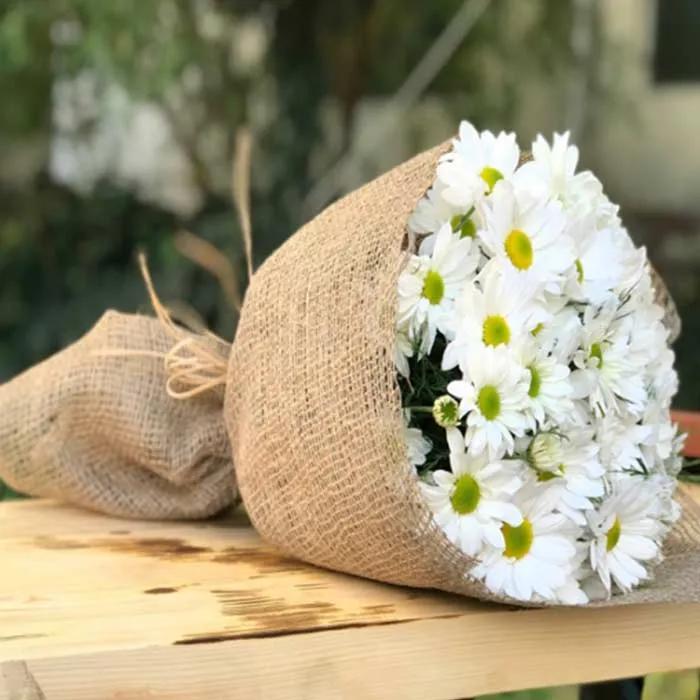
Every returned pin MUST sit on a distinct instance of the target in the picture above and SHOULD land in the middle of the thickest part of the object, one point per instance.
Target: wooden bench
(93, 607)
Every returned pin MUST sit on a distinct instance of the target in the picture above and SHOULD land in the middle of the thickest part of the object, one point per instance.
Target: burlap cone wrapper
(312, 409)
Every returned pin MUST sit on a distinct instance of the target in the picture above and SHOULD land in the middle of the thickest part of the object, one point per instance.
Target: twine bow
(198, 362)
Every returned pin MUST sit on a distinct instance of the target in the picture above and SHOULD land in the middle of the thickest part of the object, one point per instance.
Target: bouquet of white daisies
(536, 375)
(532, 393)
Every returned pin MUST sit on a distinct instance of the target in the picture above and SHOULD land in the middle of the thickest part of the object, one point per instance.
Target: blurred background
(118, 122)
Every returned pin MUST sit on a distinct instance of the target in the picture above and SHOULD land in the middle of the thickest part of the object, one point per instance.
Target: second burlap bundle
(312, 409)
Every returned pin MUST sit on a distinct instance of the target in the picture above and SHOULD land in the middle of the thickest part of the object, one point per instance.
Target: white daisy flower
(561, 334)
(476, 163)
(433, 211)
(526, 237)
(626, 533)
(606, 260)
(552, 174)
(497, 313)
(429, 285)
(493, 394)
(471, 502)
(609, 376)
(417, 445)
(621, 442)
(538, 558)
(568, 468)
(403, 350)
(660, 439)
(549, 391)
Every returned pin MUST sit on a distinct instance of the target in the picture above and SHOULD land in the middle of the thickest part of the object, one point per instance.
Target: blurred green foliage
(66, 254)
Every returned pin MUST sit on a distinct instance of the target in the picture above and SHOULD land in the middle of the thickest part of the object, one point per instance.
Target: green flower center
(519, 249)
(579, 270)
(463, 225)
(535, 382)
(489, 402)
(466, 495)
(433, 287)
(597, 352)
(518, 539)
(446, 411)
(495, 331)
(613, 535)
(491, 176)
(547, 476)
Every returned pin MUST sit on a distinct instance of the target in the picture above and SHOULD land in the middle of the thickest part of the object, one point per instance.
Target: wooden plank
(100, 607)
(486, 652)
(106, 584)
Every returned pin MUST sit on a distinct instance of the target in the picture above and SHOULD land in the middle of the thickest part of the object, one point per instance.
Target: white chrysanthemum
(433, 211)
(659, 442)
(538, 559)
(568, 469)
(417, 446)
(493, 394)
(609, 375)
(626, 531)
(403, 349)
(561, 334)
(621, 442)
(552, 174)
(476, 163)
(429, 285)
(526, 237)
(471, 502)
(606, 260)
(496, 313)
(549, 391)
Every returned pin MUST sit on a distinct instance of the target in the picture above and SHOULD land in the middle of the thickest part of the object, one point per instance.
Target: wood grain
(105, 608)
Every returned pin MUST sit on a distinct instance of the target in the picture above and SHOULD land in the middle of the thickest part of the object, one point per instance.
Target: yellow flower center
(433, 287)
(495, 331)
(463, 225)
(597, 352)
(489, 402)
(518, 539)
(579, 270)
(491, 176)
(535, 382)
(519, 249)
(613, 535)
(466, 495)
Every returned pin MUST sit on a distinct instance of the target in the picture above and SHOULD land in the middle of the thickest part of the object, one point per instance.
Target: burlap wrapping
(314, 411)
(312, 408)
(101, 432)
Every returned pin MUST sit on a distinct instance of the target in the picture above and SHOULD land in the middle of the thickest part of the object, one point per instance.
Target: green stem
(420, 409)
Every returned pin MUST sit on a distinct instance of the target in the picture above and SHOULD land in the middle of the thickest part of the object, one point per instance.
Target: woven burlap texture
(314, 414)
(100, 431)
